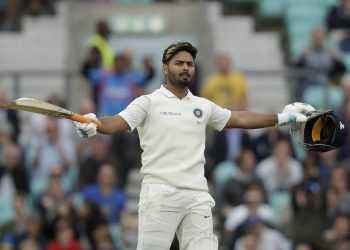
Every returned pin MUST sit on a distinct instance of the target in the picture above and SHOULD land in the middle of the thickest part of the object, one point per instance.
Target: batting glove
(86, 130)
(293, 113)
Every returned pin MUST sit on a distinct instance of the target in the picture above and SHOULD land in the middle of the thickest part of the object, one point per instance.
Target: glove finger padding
(90, 128)
(79, 125)
(92, 116)
(86, 134)
(299, 107)
(300, 117)
(290, 118)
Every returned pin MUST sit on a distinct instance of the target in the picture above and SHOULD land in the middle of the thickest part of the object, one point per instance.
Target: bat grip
(84, 119)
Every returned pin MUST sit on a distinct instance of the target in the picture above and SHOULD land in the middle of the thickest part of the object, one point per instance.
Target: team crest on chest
(198, 113)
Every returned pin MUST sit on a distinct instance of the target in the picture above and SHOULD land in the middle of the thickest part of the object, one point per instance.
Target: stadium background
(42, 50)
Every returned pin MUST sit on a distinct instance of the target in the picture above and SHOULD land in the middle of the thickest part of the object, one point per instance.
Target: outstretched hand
(293, 113)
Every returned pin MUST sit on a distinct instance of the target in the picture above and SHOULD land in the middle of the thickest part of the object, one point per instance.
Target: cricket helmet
(323, 131)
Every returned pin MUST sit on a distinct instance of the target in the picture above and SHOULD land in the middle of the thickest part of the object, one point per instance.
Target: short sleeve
(218, 117)
(136, 112)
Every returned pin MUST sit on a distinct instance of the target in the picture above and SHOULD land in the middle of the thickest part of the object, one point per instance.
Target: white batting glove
(294, 113)
(86, 130)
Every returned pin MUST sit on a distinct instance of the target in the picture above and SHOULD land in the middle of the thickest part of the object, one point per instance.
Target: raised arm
(291, 113)
(250, 120)
(126, 120)
(109, 125)
(112, 124)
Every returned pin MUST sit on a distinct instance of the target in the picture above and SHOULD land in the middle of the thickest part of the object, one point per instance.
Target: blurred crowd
(58, 191)
(322, 60)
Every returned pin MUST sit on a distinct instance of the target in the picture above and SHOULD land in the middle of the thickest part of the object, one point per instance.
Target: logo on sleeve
(198, 113)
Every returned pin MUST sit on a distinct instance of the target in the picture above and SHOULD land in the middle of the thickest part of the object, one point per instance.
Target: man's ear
(165, 69)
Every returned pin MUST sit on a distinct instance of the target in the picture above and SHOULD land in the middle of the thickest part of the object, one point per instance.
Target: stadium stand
(43, 38)
(45, 57)
(244, 45)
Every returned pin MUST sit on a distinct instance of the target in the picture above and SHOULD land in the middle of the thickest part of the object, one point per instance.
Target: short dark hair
(175, 48)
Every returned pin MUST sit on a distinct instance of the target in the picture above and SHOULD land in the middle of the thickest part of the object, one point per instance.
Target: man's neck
(180, 92)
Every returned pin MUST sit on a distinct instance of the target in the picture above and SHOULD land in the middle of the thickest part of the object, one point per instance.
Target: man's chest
(177, 115)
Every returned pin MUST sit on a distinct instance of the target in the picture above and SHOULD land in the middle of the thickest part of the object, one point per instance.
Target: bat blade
(44, 108)
(37, 106)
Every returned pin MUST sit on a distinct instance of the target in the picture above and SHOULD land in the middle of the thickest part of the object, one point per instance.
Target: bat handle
(84, 119)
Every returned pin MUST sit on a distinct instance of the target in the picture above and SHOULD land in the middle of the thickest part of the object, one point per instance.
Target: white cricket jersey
(172, 136)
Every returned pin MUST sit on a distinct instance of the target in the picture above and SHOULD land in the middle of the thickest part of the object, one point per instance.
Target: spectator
(332, 205)
(33, 235)
(100, 41)
(64, 237)
(16, 226)
(37, 124)
(66, 128)
(23, 226)
(104, 239)
(339, 181)
(92, 219)
(339, 16)
(83, 147)
(321, 61)
(66, 211)
(51, 151)
(280, 172)
(11, 117)
(320, 165)
(5, 134)
(303, 246)
(342, 245)
(10, 16)
(87, 106)
(308, 214)
(89, 167)
(228, 144)
(149, 70)
(247, 242)
(141, 77)
(110, 199)
(92, 62)
(29, 244)
(345, 83)
(119, 88)
(326, 164)
(236, 186)
(227, 88)
(340, 231)
(253, 205)
(13, 175)
(264, 142)
(266, 238)
(49, 204)
(318, 57)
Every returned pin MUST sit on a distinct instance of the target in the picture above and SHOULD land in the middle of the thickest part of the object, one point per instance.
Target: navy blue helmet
(324, 130)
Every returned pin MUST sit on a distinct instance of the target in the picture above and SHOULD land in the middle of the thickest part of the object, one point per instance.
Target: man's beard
(180, 82)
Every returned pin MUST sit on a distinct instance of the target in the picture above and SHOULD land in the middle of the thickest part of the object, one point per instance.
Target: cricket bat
(48, 109)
